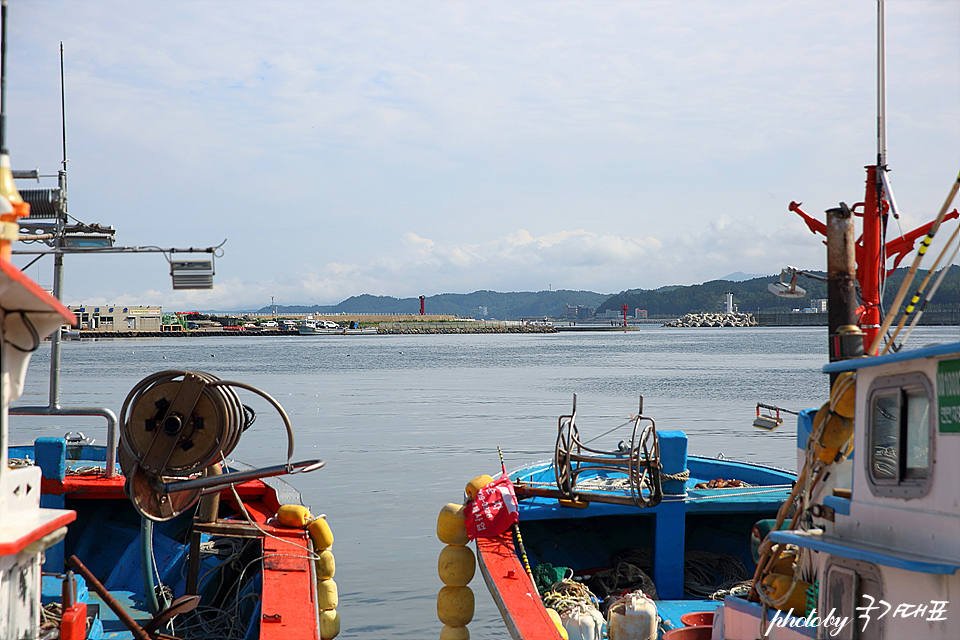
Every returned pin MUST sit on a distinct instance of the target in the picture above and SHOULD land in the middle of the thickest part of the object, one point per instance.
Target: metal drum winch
(175, 429)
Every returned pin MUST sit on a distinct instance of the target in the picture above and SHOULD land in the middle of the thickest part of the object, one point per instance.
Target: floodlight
(192, 274)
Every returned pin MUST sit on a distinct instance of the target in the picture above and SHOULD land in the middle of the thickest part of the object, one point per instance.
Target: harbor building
(118, 318)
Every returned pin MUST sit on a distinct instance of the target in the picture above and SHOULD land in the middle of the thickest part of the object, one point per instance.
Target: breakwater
(714, 320)
(928, 319)
(419, 328)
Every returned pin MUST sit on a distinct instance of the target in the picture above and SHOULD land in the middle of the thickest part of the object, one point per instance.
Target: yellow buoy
(784, 564)
(327, 597)
(293, 515)
(843, 395)
(455, 606)
(476, 484)
(836, 433)
(329, 624)
(454, 633)
(558, 622)
(321, 534)
(326, 565)
(450, 524)
(778, 587)
(456, 565)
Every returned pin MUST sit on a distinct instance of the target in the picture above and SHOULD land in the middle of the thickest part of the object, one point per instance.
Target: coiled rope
(570, 596)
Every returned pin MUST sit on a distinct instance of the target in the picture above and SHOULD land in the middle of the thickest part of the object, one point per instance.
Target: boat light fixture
(787, 290)
(770, 420)
(767, 423)
(192, 274)
(85, 236)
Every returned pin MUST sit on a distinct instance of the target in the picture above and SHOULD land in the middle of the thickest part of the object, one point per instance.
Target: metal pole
(845, 340)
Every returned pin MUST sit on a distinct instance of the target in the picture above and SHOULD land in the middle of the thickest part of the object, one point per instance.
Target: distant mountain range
(750, 294)
(467, 305)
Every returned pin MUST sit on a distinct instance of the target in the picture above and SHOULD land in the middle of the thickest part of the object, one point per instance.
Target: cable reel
(175, 425)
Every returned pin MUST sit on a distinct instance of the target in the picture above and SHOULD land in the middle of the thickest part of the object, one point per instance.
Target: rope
(701, 568)
(569, 595)
(311, 554)
(682, 476)
(516, 530)
(768, 489)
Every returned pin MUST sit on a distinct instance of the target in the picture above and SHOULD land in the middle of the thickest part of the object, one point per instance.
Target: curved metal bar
(113, 429)
(276, 405)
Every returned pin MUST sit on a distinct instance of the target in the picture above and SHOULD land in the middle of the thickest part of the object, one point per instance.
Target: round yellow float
(456, 566)
(450, 524)
(455, 606)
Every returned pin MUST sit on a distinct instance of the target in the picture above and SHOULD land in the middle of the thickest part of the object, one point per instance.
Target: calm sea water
(403, 422)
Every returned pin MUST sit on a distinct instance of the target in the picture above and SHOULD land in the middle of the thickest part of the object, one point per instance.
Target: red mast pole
(873, 261)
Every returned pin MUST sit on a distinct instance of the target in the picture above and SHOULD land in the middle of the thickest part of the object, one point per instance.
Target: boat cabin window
(899, 458)
(845, 585)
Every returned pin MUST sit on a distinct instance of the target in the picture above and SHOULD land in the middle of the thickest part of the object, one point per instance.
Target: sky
(418, 148)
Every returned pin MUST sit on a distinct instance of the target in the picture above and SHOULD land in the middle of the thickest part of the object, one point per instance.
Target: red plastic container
(697, 619)
(689, 633)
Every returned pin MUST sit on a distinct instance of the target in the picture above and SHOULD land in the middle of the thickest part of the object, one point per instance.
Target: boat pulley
(633, 469)
(176, 426)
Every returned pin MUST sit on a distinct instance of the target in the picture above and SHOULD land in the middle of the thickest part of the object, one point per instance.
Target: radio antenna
(63, 110)
(3, 78)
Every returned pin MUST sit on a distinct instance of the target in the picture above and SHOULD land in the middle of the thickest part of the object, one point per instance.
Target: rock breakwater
(714, 320)
(412, 328)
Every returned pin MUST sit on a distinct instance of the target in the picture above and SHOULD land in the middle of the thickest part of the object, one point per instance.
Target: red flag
(494, 510)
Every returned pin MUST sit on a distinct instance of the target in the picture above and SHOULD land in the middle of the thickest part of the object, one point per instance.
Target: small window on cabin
(845, 585)
(900, 436)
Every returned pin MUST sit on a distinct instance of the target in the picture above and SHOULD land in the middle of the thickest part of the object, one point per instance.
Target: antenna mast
(881, 92)
(3, 78)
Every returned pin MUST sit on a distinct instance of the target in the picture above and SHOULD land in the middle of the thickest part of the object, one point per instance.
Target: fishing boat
(157, 534)
(89, 552)
(643, 516)
(327, 328)
(611, 542)
(310, 327)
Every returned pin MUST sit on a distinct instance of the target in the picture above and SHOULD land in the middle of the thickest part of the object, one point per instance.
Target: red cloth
(493, 511)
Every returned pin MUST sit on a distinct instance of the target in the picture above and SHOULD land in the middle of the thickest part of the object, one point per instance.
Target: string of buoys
(456, 567)
(295, 515)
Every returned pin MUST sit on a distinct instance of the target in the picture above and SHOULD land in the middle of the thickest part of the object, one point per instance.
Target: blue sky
(417, 148)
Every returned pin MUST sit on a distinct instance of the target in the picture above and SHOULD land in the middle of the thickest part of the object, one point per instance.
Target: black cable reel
(181, 424)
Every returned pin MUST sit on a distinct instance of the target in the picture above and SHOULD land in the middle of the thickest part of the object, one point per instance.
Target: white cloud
(407, 148)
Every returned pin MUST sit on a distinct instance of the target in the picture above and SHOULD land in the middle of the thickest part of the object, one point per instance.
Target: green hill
(750, 296)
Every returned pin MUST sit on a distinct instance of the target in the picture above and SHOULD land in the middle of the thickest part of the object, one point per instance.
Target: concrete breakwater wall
(714, 320)
(386, 328)
(929, 318)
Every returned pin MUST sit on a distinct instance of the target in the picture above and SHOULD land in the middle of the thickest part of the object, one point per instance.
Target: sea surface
(403, 422)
